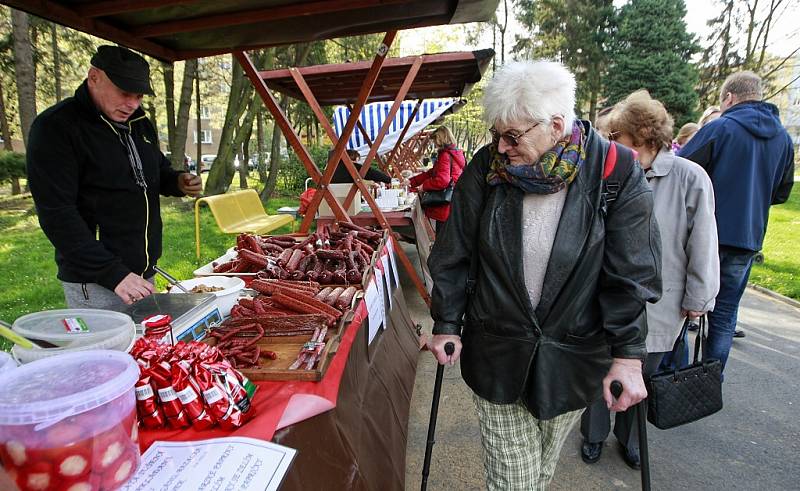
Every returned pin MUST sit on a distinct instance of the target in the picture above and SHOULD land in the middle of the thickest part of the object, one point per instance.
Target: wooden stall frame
(338, 154)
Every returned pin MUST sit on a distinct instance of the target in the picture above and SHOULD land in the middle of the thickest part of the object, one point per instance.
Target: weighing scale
(191, 313)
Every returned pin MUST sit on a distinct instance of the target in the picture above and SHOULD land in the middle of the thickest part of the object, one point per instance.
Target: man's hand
(436, 345)
(133, 288)
(190, 184)
(629, 373)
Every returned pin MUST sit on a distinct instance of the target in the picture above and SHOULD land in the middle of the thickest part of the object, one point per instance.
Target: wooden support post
(393, 155)
(290, 134)
(358, 181)
(387, 123)
(338, 150)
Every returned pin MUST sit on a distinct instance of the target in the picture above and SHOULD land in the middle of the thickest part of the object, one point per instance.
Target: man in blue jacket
(750, 158)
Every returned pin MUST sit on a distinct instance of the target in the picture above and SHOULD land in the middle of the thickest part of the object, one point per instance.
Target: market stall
(356, 84)
(349, 426)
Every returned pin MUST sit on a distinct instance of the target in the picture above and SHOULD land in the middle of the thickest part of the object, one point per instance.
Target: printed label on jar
(144, 392)
(187, 395)
(167, 394)
(212, 395)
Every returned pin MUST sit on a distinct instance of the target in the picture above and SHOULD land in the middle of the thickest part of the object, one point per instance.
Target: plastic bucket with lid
(6, 362)
(70, 418)
(73, 326)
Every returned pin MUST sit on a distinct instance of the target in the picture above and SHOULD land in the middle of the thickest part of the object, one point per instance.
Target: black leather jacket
(601, 273)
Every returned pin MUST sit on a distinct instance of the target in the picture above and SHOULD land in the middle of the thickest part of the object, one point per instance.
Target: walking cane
(449, 348)
(641, 419)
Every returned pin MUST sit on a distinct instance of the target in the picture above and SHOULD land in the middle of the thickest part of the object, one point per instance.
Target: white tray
(208, 269)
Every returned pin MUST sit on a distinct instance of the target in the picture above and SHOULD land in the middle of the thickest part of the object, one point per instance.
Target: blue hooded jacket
(750, 158)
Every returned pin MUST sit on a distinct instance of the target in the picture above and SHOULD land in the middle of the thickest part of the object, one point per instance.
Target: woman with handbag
(684, 209)
(534, 281)
(439, 181)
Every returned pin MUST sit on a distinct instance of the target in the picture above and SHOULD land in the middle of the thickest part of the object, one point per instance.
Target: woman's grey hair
(530, 90)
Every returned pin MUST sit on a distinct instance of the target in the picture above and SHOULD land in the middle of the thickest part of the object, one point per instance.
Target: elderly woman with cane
(542, 274)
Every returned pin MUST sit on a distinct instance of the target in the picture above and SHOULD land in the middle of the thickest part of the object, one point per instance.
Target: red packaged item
(170, 404)
(218, 401)
(146, 405)
(189, 395)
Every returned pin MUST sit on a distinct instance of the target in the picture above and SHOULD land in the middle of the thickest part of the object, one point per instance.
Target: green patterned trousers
(520, 451)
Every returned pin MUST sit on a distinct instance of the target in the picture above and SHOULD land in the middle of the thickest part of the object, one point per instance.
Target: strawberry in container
(68, 422)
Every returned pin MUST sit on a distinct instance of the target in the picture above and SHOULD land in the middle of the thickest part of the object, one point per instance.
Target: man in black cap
(96, 172)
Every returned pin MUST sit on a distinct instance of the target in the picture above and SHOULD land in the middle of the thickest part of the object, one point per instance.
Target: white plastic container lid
(49, 390)
(51, 325)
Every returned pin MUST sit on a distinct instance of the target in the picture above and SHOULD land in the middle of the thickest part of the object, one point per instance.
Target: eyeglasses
(510, 139)
(613, 135)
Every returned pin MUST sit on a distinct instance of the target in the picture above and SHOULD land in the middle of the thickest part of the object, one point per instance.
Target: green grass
(781, 268)
(28, 283)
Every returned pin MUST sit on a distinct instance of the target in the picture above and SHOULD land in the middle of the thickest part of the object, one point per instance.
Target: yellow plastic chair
(238, 212)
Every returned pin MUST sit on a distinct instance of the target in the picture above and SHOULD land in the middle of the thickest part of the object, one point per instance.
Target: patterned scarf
(555, 169)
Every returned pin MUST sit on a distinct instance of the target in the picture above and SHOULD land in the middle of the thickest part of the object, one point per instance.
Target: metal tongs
(171, 279)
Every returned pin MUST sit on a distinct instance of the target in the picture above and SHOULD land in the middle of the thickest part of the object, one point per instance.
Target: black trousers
(596, 419)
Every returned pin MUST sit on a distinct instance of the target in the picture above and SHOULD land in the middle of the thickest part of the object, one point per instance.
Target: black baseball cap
(128, 70)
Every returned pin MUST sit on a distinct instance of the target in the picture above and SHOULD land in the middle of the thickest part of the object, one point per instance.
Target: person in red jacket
(448, 167)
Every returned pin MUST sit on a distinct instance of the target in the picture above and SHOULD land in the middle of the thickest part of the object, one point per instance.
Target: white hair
(530, 90)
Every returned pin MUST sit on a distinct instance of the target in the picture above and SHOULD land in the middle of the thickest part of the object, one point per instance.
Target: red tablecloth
(279, 404)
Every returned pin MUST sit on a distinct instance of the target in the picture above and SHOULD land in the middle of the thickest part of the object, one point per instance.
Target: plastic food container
(73, 326)
(69, 421)
(6, 362)
(226, 298)
(121, 341)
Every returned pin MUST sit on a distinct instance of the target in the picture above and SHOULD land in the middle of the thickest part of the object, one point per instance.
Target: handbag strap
(699, 353)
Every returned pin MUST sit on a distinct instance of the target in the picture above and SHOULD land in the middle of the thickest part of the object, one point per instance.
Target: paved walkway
(752, 444)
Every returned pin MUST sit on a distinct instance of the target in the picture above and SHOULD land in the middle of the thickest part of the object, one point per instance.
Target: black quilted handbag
(677, 397)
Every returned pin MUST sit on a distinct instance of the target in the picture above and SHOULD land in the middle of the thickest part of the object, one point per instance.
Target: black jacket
(341, 176)
(600, 275)
(103, 225)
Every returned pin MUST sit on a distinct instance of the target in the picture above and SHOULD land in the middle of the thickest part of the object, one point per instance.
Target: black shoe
(631, 457)
(738, 333)
(590, 452)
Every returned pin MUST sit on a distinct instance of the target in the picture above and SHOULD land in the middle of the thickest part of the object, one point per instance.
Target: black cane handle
(616, 388)
(449, 348)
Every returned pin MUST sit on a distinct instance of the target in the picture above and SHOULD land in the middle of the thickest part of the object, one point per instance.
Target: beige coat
(684, 208)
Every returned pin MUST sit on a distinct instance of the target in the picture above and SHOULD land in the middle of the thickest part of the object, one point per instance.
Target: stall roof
(440, 75)
(181, 29)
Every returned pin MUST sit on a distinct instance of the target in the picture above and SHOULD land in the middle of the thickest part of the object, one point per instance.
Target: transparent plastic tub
(70, 419)
(121, 341)
(52, 325)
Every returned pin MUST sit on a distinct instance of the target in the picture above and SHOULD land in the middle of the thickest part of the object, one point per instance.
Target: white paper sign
(374, 307)
(224, 464)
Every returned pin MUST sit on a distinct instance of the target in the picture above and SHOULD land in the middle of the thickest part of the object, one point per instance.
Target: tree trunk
(6, 133)
(244, 164)
(56, 60)
(151, 113)
(169, 101)
(24, 67)
(274, 157)
(260, 162)
(182, 121)
(199, 126)
(222, 170)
